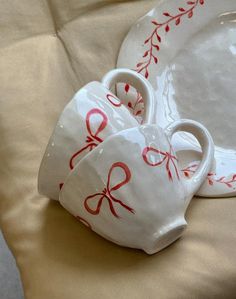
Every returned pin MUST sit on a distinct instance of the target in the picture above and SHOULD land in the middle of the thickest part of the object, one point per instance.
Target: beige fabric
(49, 49)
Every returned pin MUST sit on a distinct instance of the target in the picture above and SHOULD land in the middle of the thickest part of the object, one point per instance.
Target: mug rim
(94, 84)
(55, 128)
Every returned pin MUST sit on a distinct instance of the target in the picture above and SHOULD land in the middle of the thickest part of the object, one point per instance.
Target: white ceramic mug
(94, 114)
(130, 189)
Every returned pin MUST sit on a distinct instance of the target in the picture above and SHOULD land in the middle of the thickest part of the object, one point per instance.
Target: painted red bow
(107, 193)
(92, 139)
(114, 100)
(167, 157)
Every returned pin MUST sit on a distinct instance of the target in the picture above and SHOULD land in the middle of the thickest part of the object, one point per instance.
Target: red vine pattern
(92, 139)
(137, 107)
(167, 157)
(153, 41)
(107, 193)
(211, 178)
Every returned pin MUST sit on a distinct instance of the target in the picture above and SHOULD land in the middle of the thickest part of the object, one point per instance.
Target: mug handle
(140, 83)
(206, 142)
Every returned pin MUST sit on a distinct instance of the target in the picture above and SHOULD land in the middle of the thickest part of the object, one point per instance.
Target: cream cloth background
(48, 50)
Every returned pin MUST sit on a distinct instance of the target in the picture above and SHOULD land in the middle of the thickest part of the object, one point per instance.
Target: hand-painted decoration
(166, 158)
(107, 193)
(93, 138)
(153, 41)
(114, 100)
(211, 178)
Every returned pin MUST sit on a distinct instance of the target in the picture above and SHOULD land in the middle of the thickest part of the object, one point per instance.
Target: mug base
(167, 238)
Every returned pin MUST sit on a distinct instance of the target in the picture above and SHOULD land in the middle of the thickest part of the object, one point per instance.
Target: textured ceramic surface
(90, 117)
(187, 50)
(130, 189)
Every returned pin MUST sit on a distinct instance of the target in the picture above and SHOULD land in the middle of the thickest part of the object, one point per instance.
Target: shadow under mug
(94, 114)
(130, 189)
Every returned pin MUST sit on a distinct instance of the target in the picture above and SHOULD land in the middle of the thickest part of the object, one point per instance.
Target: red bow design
(107, 193)
(114, 100)
(167, 156)
(92, 139)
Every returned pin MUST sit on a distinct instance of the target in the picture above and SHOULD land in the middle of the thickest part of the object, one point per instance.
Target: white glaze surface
(94, 114)
(76, 134)
(194, 78)
(201, 80)
(130, 190)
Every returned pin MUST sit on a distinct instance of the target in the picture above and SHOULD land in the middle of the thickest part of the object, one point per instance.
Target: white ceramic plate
(187, 50)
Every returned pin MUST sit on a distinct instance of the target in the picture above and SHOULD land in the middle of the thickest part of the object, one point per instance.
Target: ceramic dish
(187, 50)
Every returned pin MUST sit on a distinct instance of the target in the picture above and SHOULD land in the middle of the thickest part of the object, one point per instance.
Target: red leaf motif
(177, 22)
(158, 37)
(139, 112)
(140, 64)
(127, 87)
(190, 14)
(130, 105)
(154, 38)
(211, 182)
(155, 23)
(211, 178)
(166, 14)
(145, 54)
(155, 60)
